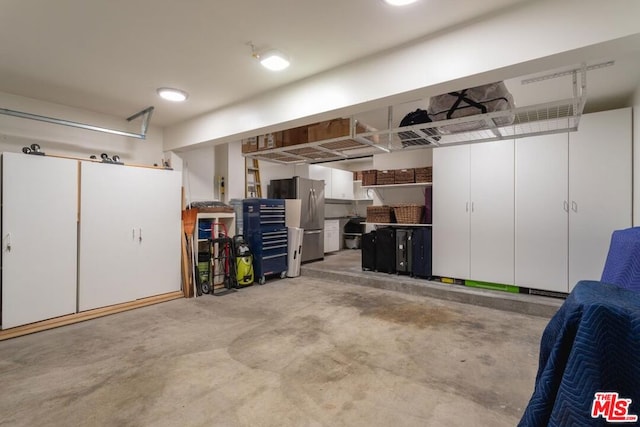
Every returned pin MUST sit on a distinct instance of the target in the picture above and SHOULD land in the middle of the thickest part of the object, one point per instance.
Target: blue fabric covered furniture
(622, 267)
(592, 344)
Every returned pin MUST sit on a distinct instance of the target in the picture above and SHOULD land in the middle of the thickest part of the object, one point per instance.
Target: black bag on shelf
(410, 138)
(470, 102)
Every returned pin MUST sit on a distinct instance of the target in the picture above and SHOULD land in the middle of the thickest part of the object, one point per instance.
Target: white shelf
(395, 224)
(554, 117)
(412, 184)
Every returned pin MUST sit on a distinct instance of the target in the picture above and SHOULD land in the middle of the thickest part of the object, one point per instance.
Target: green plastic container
(493, 286)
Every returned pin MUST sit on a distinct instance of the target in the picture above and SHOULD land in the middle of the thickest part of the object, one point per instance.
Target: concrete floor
(294, 352)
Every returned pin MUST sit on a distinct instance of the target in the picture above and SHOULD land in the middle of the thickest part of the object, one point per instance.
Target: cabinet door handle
(466, 207)
(140, 236)
(472, 206)
(566, 206)
(8, 242)
(574, 206)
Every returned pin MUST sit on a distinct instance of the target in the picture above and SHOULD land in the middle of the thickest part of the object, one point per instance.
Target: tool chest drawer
(266, 232)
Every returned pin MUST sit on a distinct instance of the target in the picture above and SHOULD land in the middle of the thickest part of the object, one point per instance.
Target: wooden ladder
(253, 188)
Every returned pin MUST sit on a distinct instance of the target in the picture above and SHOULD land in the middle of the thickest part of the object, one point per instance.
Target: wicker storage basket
(369, 177)
(404, 176)
(385, 177)
(379, 214)
(424, 174)
(408, 214)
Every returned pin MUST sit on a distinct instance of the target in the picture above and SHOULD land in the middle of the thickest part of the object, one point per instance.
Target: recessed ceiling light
(273, 60)
(175, 95)
(399, 2)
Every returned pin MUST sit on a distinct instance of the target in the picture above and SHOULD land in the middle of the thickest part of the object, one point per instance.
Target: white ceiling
(109, 56)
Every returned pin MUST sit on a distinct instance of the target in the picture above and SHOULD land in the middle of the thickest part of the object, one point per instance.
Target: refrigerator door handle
(312, 231)
(312, 197)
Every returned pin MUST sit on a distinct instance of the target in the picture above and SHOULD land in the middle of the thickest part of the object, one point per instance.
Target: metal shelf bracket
(146, 116)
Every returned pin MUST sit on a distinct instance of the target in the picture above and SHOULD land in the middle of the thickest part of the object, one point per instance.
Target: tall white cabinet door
(451, 212)
(39, 238)
(158, 227)
(322, 173)
(542, 186)
(109, 200)
(492, 212)
(341, 184)
(600, 192)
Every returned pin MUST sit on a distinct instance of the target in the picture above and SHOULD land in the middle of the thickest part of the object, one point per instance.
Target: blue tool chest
(266, 233)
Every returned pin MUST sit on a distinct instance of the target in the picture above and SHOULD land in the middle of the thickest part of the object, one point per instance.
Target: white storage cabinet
(129, 234)
(39, 238)
(573, 190)
(338, 183)
(331, 235)
(341, 184)
(473, 212)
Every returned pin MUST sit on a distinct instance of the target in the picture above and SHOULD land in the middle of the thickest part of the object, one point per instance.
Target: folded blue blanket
(591, 345)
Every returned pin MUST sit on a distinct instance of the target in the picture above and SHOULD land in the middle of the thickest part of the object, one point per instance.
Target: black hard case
(404, 251)
(369, 251)
(421, 252)
(386, 250)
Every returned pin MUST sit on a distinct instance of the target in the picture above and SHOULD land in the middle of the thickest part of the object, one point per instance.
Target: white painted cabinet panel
(491, 230)
(322, 173)
(542, 185)
(331, 235)
(109, 234)
(159, 222)
(39, 238)
(129, 234)
(473, 212)
(600, 191)
(338, 183)
(451, 211)
(341, 184)
(572, 191)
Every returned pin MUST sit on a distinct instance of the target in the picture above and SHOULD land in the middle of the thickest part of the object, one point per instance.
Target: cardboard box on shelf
(249, 145)
(329, 129)
(270, 140)
(295, 136)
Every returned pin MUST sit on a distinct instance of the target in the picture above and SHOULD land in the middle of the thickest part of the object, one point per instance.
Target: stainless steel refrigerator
(311, 193)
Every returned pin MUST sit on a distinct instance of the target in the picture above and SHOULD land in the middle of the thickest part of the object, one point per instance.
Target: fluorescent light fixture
(273, 60)
(399, 2)
(175, 95)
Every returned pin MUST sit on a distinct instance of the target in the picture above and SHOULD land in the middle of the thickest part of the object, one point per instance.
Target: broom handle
(193, 267)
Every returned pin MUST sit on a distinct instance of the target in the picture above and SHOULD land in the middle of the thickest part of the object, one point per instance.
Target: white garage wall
(235, 179)
(497, 48)
(198, 174)
(403, 159)
(16, 133)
